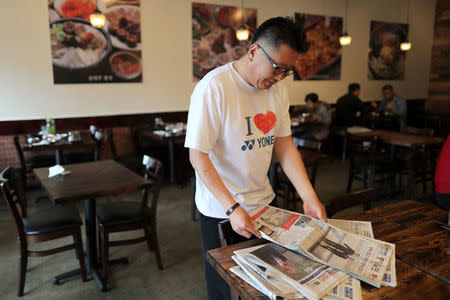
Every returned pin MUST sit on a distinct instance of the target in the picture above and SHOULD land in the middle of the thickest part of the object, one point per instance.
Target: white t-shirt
(236, 124)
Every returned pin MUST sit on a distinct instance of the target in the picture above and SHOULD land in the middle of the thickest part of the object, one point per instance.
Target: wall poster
(322, 61)
(214, 41)
(386, 60)
(82, 53)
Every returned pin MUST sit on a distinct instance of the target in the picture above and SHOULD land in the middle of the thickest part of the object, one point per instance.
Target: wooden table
(86, 142)
(170, 140)
(86, 182)
(410, 225)
(397, 138)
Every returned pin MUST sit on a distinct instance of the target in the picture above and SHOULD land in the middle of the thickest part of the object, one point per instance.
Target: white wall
(26, 79)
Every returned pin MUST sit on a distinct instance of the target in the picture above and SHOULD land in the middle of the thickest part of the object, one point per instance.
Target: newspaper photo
(313, 280)
(365, 229)
(366, 259)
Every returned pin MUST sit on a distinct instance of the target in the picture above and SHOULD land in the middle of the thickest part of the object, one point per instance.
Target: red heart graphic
(265, 122)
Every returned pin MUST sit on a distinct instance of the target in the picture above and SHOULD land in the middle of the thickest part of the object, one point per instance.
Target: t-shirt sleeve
(284, 119)
(204, 117)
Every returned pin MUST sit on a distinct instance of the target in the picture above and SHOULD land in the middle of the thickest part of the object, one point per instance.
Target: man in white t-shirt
(238, 116)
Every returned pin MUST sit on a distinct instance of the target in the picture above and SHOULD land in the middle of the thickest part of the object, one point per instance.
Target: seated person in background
(349, 108)
(442, 177)
(320, 117)
(392, 104)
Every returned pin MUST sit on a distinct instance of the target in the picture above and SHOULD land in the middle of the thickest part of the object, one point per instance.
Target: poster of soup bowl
(214, 41)
(386, 60)
(82, 53)
(322, 61)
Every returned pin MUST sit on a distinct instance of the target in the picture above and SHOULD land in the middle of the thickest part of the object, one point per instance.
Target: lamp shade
(242, 33)
(345, 39)
(405, 46)
(97, 20)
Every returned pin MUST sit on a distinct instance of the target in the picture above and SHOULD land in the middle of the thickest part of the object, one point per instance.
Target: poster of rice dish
(214, 41)
(322, 61)
(386, 60)
(82, 53)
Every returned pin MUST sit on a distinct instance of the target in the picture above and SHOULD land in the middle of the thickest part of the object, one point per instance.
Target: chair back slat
(418, 131)
(308, 144)
(154, 171)
(364, 197)
(19, 151)
(14, 197)
(225, 232)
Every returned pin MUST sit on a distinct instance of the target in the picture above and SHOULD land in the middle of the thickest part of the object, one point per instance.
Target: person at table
(320, 117)
(392, 104)
(349, 108)
(238, 116)
(442, 177)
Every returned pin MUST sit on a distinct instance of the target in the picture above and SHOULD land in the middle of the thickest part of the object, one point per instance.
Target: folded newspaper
(364, 258)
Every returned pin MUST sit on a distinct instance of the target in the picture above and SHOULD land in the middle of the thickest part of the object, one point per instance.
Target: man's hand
(242, 223)
(315, 209)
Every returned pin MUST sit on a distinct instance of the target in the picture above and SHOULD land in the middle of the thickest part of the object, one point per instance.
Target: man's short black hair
(388, 87)
(281, 30)
(313, 97)
(353, 87)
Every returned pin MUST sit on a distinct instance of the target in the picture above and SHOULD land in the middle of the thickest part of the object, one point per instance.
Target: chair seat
(116, 213)
(53, 219)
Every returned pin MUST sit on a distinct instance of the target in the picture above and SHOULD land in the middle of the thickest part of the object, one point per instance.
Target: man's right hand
(242, 223)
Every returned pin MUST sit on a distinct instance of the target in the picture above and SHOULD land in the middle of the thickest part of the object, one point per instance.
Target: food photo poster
(82, 53)
(386, 60)
(214, 41)
(322, 61)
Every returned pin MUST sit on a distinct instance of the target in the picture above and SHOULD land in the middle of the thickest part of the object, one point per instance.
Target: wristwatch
(231, 209)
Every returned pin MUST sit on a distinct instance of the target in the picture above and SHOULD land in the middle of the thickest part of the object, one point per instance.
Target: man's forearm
(208, 174)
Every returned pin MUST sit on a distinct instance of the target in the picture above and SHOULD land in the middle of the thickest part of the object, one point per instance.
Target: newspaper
(365, 229)
(312, 279)
(274, 287)
(364, 258)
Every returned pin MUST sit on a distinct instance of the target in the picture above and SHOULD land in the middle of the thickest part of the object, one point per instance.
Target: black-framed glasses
(276, 68)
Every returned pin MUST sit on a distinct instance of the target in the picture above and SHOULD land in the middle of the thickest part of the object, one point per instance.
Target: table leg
(91, 242)
(58, 156)
(172, 161)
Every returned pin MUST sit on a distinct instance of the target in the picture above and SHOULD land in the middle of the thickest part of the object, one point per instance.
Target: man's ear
(251, 54)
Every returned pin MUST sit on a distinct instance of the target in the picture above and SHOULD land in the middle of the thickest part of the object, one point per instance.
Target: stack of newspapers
(311, 259)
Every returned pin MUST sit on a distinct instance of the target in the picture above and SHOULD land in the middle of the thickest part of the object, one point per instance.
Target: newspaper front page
(310, 278)
(365, 229)
(363, 258)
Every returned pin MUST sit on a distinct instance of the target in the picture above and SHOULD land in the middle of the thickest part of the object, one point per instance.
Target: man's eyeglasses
(277, 69)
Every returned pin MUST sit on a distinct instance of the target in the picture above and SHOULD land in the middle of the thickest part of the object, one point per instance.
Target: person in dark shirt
(349, 108)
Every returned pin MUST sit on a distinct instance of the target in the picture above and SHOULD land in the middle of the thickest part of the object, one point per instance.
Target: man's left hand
(315, 209)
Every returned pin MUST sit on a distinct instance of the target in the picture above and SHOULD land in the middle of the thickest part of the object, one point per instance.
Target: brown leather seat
(53, 219)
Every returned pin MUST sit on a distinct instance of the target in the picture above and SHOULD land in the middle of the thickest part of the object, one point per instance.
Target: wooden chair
(285, 189)
(126, 216)
(28, 164)
(368, 160)
(56, 222)
(364, 197)
(83, 155)
(129, 156)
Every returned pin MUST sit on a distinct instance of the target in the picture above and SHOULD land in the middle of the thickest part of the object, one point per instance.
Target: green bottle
(51, 129)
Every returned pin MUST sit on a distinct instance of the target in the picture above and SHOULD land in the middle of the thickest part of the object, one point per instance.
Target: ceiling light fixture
(97, 19)
(345, 39)
(406, 45)
(242, 33)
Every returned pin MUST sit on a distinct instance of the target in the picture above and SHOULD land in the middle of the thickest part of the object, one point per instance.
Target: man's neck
(241, 67)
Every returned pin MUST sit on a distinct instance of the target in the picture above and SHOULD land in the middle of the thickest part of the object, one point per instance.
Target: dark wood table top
(389, 223)
(402, 138)
(151, 134)
(86, 141)
(412, 227)
(90, 180)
